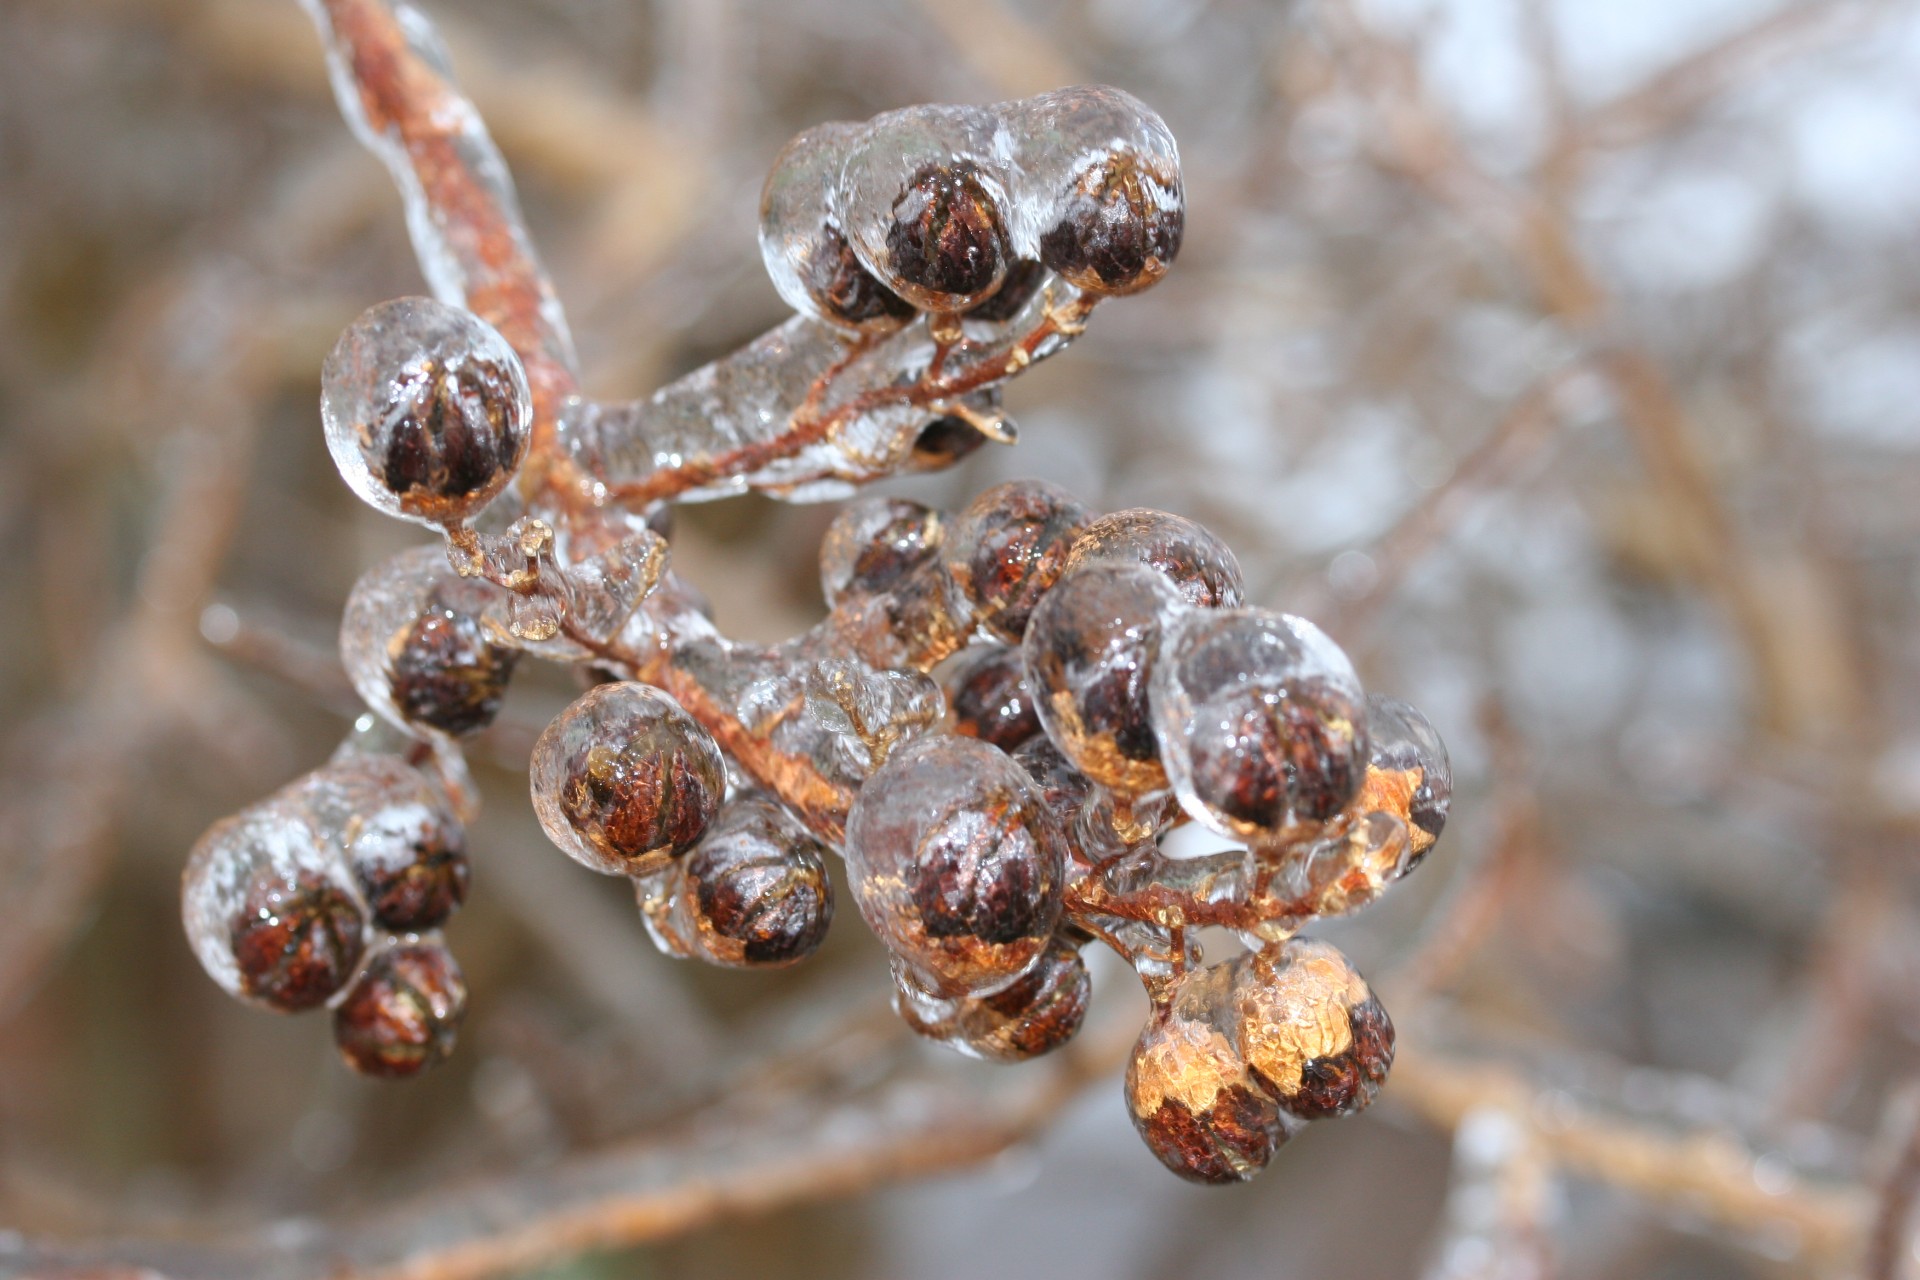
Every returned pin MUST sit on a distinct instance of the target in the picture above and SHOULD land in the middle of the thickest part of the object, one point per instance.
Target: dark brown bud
(1195, 1104)
(1035, 1015)
(624, 780)
(296, 944)
(943, 442)
(455, 432)
(847, 292)
(992, 890)
(1255, 757)
(874, 543)
(447, 674)
(1314, 1036)
(990, 698)
(636, 797)
(1089, 651)
(1119, 230)
(1199, 565)
(412, 866)
(955, 864)
(948, 238)
(1008, 547)
(403, 1015)
(759, 890)
(1022, 282)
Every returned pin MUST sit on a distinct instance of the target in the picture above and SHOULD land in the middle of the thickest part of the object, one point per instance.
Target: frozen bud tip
(956, 864)
(624, 780)
(403, 1015)
(426, 409)
(1261, 720)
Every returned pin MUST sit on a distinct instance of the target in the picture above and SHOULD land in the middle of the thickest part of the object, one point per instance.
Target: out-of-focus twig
(1418, 142)
(1516, 437)
(1704, 1172)
(1684, 87)
(912, 1124)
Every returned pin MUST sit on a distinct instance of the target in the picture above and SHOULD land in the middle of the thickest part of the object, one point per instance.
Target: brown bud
(944, 441)
(297, 943)
(404, 1014)
(1023, 281)
(447, 673)
(1198, 564)
(1035, 1015)
(990, 698)
(1195, 1103)
(875, 542)
(412, 867)
(1008, 547)
(453, 433)
(756, 890)
(1119, 230)
(1314, 1036)
(948, 239)
(847, 292)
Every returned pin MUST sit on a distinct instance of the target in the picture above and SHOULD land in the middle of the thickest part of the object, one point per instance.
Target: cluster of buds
(1004, 711)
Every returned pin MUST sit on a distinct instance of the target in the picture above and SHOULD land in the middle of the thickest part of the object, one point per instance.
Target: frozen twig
(1707, 1173)
(394, 87)
(915, 1123)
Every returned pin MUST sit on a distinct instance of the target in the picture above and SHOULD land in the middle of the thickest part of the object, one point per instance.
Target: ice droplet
(1261, 720)
(956, 864)
(426, 410)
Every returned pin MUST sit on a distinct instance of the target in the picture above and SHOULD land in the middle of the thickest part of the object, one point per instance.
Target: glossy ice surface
(1262, 721)
(426, 410)
(956, 864)
(624, 779)
(1090, 652)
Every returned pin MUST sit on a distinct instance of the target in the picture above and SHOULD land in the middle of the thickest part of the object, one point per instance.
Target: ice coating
(426, 410)
(1036, 1014)
(624, 780)
(271, 911)
(955, 864)
(1203, 568)
(926, 199)
(1008, 547)
(991, 699)
(1344, 868)
(871, 711)
(1240, 1055)
(915, 624)
(1407, 770)
(1090, 652)
(417, 646)
(404, 1013)
(984, 874)
(604, 588)
(1098, 827)
(722, 424)
(1262, 722)
(1191, 1093)
(1310, 1030)
(753, 893)
(813, 267)
(400, 839)
(1101, 174)
(468, 233)
(873, 543)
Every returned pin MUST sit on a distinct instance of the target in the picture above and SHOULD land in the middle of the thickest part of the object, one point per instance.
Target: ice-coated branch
(1116, 687)
(395, 88)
